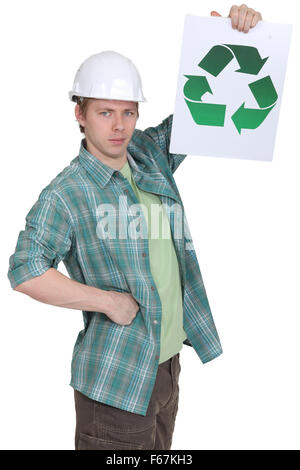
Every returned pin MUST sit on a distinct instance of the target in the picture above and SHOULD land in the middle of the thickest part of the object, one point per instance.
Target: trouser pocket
(87, 442)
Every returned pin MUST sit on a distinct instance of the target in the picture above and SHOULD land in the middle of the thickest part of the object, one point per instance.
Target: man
(114, 216)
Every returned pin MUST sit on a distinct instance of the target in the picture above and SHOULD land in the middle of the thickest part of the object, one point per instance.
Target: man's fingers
(242, 16)
(234, 15)
(256, 18)
(248, 20)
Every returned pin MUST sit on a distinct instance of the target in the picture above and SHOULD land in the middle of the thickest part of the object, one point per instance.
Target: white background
(243, 216)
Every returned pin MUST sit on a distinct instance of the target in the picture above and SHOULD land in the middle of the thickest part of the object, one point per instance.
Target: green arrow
(266, 96)
(196, 86)
(218, 57)
(264, 92)
(207, 114)
(248, 58)
(248, 118)
(203, 113)
(216, 60)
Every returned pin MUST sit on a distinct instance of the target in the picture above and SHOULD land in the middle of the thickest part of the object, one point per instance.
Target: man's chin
(116, 153)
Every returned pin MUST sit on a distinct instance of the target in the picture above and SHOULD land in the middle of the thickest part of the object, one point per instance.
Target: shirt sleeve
(161, 135)
(45, 242)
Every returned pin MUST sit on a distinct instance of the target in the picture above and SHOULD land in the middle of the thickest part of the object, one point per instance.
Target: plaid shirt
(115, 364)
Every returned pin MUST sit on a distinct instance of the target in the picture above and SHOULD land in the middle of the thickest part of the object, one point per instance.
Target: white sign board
(229, 88)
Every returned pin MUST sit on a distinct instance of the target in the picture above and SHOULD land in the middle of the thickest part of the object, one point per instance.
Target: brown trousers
(104, 427)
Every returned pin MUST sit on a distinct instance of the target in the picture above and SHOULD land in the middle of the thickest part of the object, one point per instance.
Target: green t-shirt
(164, 268)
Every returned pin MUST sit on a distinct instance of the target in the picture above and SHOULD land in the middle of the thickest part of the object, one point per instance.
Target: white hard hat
(108, 75)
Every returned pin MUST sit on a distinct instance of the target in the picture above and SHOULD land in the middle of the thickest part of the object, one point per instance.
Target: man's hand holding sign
(242, 17)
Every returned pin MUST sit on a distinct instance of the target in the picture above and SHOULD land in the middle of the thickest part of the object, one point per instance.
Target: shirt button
(155, 321)
(152, 288)
(126, 190)
(144, 254)
(156, 357)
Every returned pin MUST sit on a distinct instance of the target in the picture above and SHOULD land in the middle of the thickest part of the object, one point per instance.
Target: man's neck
(116, 163)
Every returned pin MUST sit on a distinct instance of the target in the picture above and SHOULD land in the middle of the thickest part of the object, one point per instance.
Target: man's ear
(78, 116)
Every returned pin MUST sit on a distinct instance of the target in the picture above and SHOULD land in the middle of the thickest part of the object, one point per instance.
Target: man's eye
(107, 113)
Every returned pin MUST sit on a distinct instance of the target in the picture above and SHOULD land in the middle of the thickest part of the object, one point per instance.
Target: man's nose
(118, 122)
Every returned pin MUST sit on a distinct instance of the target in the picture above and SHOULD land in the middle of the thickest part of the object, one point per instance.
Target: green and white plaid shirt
(112, 363)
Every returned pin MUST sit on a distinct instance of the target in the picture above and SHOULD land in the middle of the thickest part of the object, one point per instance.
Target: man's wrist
(102, 300)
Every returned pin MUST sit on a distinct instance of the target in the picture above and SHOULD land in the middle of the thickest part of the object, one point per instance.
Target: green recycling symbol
(210, 114)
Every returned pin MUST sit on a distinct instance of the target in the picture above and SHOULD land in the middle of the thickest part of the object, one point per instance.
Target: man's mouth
(117, 141)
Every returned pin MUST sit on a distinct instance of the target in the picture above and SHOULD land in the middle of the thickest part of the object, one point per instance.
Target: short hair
(83, 107)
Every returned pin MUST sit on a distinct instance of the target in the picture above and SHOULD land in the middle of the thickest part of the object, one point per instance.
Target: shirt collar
(101, 172)
(140, 164)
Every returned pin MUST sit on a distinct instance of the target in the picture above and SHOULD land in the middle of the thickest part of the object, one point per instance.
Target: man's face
(108, 125)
